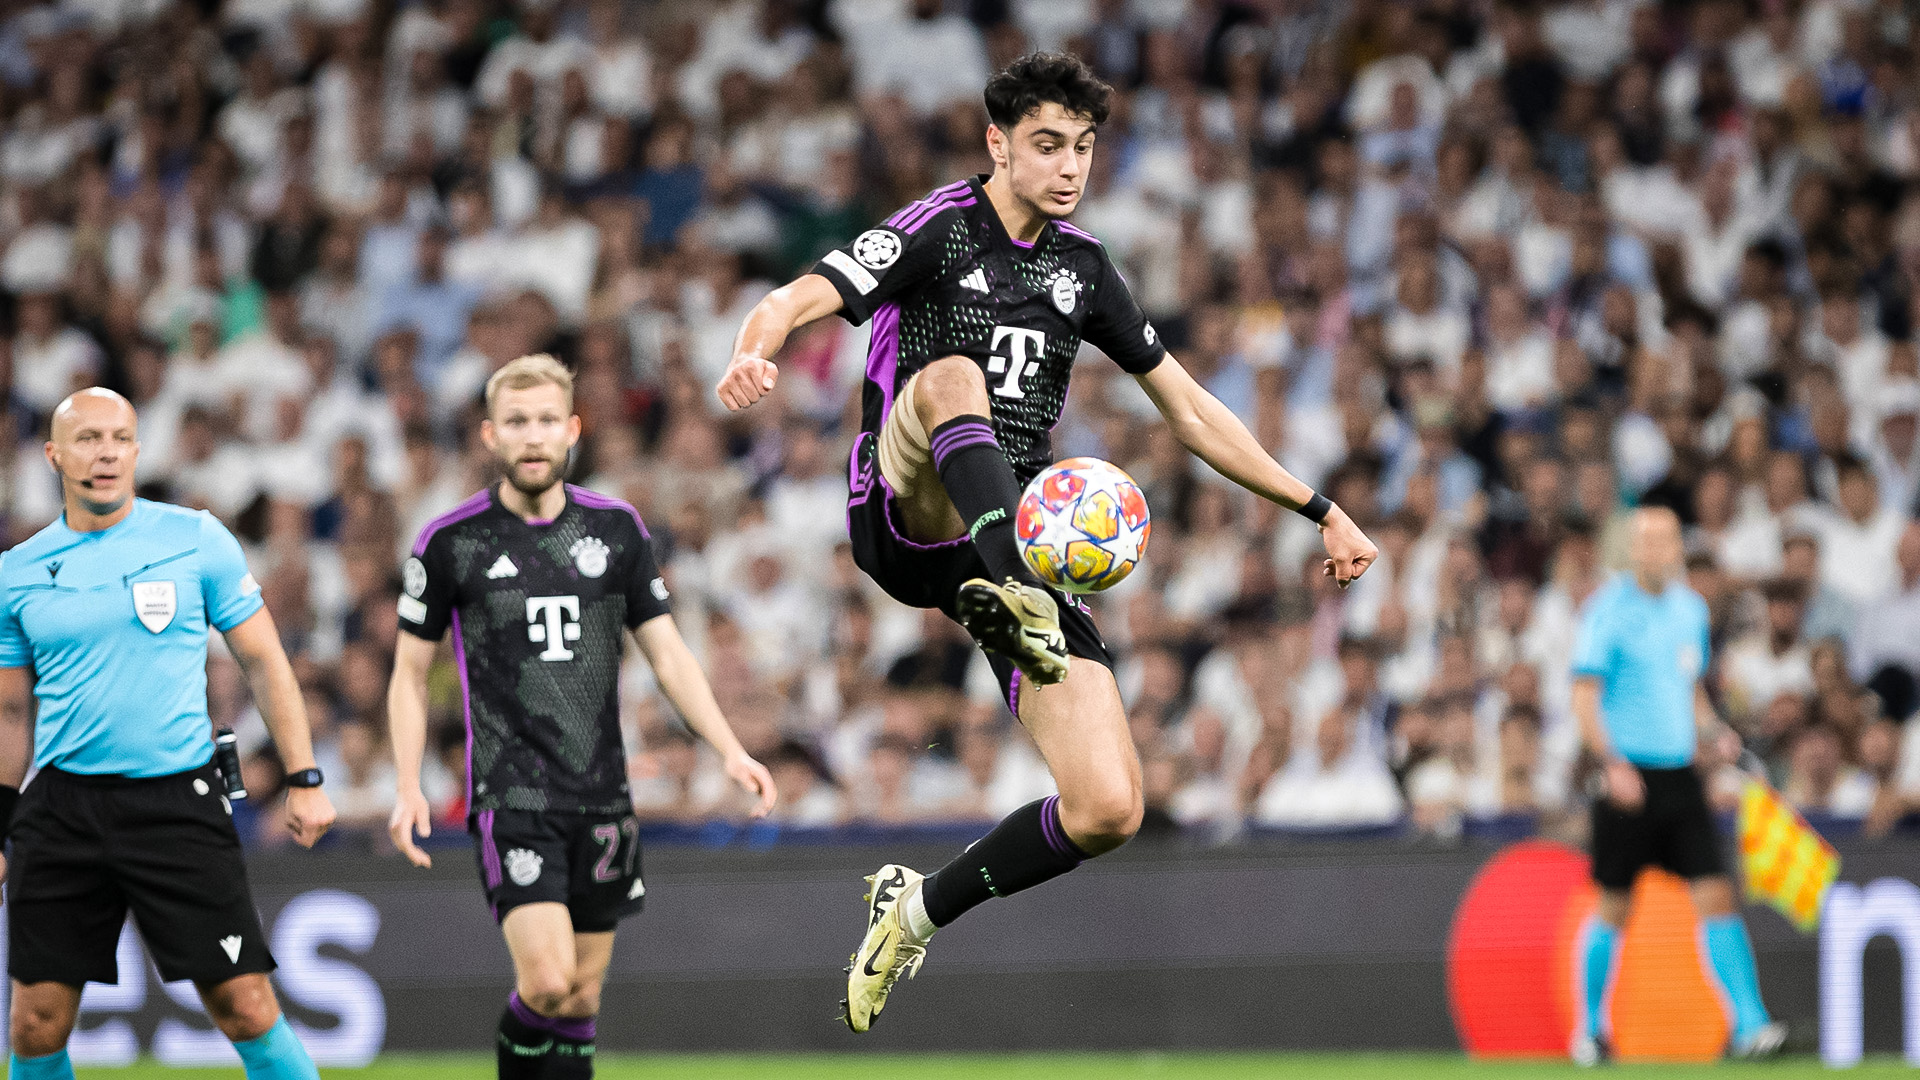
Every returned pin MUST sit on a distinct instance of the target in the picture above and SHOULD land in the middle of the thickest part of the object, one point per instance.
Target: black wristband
(305, 778)
(1317, 508)
(8, 797)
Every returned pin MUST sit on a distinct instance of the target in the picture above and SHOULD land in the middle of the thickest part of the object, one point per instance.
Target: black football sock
(524, 1049)
(980, 481)
(572, 1053)
(1029, 846)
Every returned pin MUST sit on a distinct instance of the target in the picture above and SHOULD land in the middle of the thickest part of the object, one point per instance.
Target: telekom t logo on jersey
(1021, 343)
(554, 621)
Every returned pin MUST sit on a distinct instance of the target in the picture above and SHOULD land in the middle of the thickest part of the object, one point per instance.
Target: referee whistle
(226, 758)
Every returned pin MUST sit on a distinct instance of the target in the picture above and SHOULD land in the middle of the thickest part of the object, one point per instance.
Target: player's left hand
(1350, 550)
(754, 779)
(309, 814)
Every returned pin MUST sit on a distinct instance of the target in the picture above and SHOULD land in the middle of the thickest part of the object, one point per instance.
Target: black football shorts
(930, 575)
(589, 862)
(1673, 830)
(87, 850)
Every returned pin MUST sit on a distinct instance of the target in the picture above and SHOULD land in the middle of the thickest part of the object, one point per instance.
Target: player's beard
(556, 472)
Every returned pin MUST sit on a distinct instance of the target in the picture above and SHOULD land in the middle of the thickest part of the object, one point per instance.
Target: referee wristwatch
(305, 778)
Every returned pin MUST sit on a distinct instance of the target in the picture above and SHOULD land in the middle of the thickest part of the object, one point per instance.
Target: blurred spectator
(1488, 277)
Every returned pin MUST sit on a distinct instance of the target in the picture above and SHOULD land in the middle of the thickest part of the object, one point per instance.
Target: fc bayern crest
(1066, 291)
(589, 556)
(876, 249)
(413, 577)
(523, 866)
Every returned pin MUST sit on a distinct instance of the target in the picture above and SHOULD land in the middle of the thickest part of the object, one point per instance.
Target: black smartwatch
(305, 778)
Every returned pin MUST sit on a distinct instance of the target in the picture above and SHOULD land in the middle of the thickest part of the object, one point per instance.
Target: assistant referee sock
(1029, 846)
(1599, 950)
(277, 1055)
(54, 1066)
(1730, 964)
(980, 481)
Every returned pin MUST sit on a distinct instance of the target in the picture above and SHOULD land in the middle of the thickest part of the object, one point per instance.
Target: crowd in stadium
(1487, 274)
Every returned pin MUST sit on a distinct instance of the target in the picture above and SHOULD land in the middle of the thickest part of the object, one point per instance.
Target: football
(1083, 525)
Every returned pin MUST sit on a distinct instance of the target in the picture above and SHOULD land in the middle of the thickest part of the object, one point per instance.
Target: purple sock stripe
(941, 456)
(1056, 833)
(1013, 694)
(579, 1029)
(956, 427)
(946, 437)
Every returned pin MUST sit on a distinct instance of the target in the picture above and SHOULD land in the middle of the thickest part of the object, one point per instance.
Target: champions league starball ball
(1083, 525)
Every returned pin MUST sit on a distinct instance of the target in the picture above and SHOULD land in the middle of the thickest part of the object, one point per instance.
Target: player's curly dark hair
(1037, 78)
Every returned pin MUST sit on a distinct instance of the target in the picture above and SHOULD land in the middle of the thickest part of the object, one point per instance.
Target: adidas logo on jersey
(976, 280)
(502, 567)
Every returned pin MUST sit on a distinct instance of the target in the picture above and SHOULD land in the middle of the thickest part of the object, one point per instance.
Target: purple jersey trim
(883, 353)
(466, 701)
(489, 854)
(601, 502)
(934, 196)
(476, 503)
(1028, 244)
(1075, 230)
(915, 225)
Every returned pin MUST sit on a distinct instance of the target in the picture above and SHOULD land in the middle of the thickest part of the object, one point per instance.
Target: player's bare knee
(582, 1003)
(1103, 821)
(546, 992)
(948, 388)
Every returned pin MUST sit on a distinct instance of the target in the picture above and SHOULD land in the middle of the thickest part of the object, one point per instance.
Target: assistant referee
(1637, 693)
(103, 619)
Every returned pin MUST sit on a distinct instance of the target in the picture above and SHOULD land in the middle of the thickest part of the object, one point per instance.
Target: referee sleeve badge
(154, 604)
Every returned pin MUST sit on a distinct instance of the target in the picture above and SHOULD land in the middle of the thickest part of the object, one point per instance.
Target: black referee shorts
(1673, 830)
(86, 850)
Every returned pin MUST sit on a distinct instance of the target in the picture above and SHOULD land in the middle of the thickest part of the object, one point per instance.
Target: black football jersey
(942, 278)
(539, 613)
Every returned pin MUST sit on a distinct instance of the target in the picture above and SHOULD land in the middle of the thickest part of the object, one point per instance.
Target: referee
(103, 619)
(1637, 665)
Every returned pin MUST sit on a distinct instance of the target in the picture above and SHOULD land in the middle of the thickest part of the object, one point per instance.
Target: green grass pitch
(1170, 1066)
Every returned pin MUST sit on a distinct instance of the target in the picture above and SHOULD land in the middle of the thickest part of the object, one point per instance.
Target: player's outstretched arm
(686, 686)
(752, 373)
(1216, 436)
(16, 736)
(407, 728)
(256, 644)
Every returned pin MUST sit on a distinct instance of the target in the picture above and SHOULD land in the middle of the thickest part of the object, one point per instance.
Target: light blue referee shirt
(114, 624)
(1648, 652)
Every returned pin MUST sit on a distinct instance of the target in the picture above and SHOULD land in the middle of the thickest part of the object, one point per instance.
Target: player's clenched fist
(748, 379)
(1350, 550)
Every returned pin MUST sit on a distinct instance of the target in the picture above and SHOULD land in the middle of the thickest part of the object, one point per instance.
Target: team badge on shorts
(154, 603)
(589, 556)
(523, 867)
(876, 249)
(1066, 291)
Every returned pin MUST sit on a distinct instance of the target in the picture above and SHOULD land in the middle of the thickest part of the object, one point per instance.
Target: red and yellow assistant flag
(1785, 863)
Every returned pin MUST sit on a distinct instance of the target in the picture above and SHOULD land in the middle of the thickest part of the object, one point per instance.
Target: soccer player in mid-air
(1637, 693)
(980, 295)
(541, 582)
